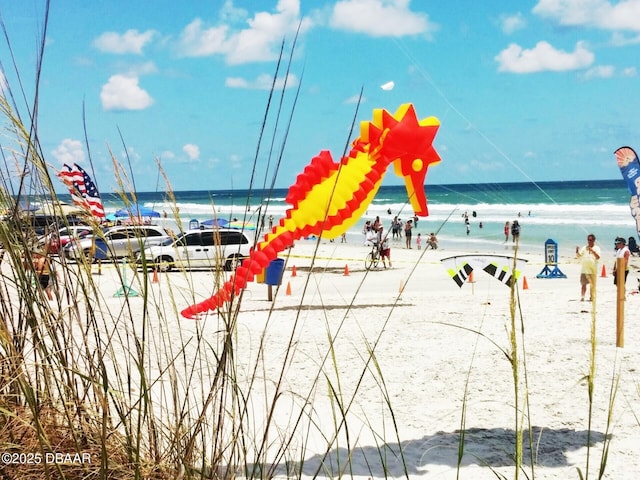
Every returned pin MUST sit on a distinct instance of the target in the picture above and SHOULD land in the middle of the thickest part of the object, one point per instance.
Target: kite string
(471, 125)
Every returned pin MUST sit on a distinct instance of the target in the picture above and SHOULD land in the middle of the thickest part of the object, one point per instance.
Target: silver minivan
(117, 242)
(200, 248)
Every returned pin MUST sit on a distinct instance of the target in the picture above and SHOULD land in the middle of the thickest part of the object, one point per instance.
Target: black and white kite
(501, 267)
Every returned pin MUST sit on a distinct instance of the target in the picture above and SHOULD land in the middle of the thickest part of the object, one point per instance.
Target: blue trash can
(101, 249)
(273, 274)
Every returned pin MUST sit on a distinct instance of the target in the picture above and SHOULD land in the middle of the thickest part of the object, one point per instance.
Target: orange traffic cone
(155, 276)
(604, 271)
(525, 285)
(346, 270)
(288, 288)
(294, 272)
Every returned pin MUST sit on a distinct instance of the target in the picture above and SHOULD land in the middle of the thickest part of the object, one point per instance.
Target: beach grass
(115, 382)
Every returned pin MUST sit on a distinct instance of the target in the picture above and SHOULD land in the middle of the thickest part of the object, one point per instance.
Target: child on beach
(385, 248)
(419, 241)
(432, 241)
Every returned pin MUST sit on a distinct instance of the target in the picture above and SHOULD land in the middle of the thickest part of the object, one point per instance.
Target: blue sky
(525, 91)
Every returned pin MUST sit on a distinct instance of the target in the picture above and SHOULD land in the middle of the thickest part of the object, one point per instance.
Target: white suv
(117, 242)
(200, 248)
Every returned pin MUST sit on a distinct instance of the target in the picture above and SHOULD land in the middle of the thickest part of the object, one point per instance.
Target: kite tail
(244, 274)
(257, 261)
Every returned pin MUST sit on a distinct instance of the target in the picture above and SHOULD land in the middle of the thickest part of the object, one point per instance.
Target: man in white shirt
(589, 256)
(622, 251)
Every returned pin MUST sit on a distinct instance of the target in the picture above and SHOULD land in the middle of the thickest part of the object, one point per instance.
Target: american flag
(83, 191)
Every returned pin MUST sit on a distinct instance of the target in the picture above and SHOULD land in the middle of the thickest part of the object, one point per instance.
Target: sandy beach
(436, 348)
(430, 356)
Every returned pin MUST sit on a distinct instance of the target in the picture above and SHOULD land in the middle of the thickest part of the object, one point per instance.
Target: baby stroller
(633, 246)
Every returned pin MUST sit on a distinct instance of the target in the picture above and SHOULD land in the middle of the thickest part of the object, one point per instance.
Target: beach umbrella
(242, 225)
(136, 211)
(215, 222)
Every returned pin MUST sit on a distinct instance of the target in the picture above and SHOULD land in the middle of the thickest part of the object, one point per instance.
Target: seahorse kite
(330, 197)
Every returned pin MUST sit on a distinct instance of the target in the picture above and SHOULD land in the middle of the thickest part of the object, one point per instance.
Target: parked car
(200, 248)
(43, 223)
(56, 241)
(117, 242)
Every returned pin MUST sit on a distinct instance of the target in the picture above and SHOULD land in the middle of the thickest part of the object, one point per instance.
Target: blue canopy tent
(136, 211)
(215, 222)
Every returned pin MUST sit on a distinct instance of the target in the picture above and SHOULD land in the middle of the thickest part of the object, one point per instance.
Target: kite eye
(417, 165)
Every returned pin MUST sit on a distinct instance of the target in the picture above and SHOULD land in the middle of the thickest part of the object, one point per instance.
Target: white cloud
(388, 86)
(130, 153)
(263, 82)
(543, 57)
(511, 23)
(354, 99)
(196, 41)
(600, 71)
(629, 72)
(131, 41)
(146, 68)
(69, 151)
(231, 13)
(608, 71)
(122, 92)
(236, 161)
(192, 151)
(257, 43)
(596, 13)
(380, 18)
(620, 40)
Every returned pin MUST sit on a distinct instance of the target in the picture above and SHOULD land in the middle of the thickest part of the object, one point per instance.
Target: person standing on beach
(507, 231)
(589, 256)
(42, 268)
(622, 251)
(385, 248)
(407, 233)
(515, 231)
(419, 241)
(376, 224)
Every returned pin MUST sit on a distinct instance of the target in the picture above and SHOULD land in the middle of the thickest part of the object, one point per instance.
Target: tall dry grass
(110, 386)
(116, 381)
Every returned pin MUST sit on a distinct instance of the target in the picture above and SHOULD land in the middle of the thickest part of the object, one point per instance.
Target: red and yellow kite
(330, 197)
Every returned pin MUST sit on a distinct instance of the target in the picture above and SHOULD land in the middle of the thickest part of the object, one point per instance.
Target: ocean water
(561, 211)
